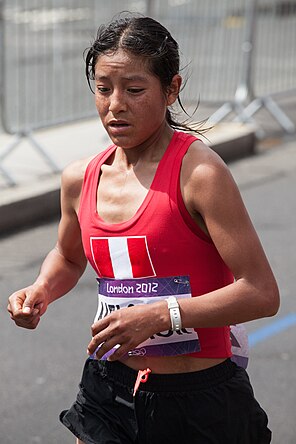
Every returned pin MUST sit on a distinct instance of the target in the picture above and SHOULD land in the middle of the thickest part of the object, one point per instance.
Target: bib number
(114, 294)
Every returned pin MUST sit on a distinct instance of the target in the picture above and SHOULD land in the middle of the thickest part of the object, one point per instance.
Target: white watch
(175, 315)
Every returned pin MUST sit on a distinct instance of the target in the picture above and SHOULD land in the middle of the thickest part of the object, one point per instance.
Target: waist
(195, 380)
(171, 364)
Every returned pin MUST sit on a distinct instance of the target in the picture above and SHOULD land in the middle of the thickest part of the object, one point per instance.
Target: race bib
(114, 294)
(239, 345)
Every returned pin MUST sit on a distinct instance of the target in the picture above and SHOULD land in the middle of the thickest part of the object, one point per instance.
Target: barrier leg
(228, 108)
(279, 115)
(221, 113)
(13, 145)
(3, 171)
(244, 117)
(272, 107)
(7, 177)
(43, 153)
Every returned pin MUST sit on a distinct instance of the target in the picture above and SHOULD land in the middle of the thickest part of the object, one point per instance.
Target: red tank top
(161, 239)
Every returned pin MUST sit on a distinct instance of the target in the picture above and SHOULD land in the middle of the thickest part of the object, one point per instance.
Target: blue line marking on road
(272, 329)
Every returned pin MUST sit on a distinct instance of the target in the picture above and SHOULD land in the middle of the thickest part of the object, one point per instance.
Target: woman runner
(161, 221)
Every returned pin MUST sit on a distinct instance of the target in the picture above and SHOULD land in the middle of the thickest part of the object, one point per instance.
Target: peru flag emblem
(122, 257)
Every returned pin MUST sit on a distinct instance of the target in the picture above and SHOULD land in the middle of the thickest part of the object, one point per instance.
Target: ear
(174, 89)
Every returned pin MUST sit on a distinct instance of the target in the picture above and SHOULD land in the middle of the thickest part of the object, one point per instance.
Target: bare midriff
(171, 364)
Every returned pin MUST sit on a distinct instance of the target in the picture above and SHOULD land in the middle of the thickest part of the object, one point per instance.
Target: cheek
(152, 109)
(101, 105)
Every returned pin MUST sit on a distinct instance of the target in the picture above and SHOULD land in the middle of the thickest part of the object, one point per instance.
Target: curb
(232, 141)
(40, 201)
(31, 204)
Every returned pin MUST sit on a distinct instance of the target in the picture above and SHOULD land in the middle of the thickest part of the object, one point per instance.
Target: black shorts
(212, 406)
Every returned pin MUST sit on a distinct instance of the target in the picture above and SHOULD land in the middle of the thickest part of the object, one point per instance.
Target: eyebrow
(133, 78)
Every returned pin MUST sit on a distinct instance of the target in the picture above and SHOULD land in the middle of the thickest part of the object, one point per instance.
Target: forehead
(123, 62)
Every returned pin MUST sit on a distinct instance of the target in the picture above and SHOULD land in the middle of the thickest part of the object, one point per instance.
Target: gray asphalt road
(40, 369)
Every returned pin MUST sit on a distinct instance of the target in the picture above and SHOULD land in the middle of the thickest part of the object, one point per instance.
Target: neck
(151, 150)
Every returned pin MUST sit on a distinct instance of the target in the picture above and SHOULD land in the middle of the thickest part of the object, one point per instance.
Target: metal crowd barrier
(41, 66)
(238, 54)
(241, 54)
(268, 63)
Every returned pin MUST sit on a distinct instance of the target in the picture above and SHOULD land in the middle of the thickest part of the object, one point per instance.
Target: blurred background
(237, 56)
(239, 60)
(231, 50)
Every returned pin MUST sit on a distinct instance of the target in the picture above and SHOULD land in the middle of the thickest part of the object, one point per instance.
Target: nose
(117, 102)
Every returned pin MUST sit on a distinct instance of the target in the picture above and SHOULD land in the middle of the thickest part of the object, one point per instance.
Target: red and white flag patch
(122, 257)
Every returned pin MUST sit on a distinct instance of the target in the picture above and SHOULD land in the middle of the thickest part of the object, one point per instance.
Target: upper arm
(69, 243)
(209, 189)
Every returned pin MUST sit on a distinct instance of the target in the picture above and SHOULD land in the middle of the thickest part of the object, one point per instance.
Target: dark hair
(147, 38)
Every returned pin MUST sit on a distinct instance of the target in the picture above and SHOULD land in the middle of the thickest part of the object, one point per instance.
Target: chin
(124, 142)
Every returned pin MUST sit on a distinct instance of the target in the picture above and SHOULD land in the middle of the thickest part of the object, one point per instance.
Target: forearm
(58, 274)
(236, 303)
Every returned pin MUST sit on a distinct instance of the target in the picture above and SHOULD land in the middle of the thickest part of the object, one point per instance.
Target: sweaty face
(129, 99)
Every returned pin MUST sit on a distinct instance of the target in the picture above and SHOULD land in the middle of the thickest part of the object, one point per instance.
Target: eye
(135, 90)
(102, 89)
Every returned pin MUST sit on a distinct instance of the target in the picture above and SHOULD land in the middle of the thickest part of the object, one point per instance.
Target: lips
(118, 124)
(118, 128)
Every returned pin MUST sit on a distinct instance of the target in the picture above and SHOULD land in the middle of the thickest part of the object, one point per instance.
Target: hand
(27, 305)
(127, 327)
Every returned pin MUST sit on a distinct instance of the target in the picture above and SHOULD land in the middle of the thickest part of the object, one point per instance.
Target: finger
(100, 325)
(26, 317)
(28, 324)
(23, 318)
(97, 341)
(120, 351)
(9, 309)
(23, 302)
(29, 304)
(100, 333)
(16, 302)
(106, 348)
(40, 307)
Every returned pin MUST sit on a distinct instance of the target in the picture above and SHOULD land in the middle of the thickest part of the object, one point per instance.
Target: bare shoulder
(72, 177)
(203, 165)
(205, 179)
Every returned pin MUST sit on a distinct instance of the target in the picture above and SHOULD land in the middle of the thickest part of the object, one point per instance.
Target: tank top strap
(168, 173)
(97, 161)
(90, 180)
